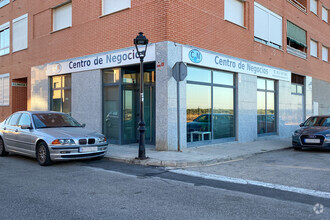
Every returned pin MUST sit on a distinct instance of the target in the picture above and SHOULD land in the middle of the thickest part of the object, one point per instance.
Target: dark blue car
(314, 132)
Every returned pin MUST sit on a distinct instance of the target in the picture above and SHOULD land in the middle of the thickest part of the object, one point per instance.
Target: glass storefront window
(111, 112)
(223, 78)
(111, 76)
(266, 114)
(61, 93)
(261, 83)
(204, 122)
(223, 112)
(199, 75)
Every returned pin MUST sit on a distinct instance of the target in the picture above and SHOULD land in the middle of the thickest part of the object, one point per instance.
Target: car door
(24, 136)
(11, 132)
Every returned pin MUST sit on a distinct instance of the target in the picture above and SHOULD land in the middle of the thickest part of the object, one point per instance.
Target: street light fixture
(141, 41)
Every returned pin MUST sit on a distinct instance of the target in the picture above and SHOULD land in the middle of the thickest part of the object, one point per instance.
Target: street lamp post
(141, 41)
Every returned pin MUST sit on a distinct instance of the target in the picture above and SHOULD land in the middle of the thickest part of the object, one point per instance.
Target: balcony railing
(296, 52)
(298, 5)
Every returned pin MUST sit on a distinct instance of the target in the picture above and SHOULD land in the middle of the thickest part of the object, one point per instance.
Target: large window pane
(223, 112)
(66, 98)
(261, 111)
(223, 78)
(270, 85)
(111, 112)
(199, 75)
(198, 112)
(111, 76)
(270, 112)
(261, 83)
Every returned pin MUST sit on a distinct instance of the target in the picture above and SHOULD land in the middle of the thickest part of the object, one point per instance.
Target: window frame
(227, 18)
(64, 4)
(2, 88)
(114, 11)
(310, 45)
(268, 41)
(16, 20)
(4, 27)
(61, 89)
(316, 6)
(327, 53)
(211, 86)
(327, 10)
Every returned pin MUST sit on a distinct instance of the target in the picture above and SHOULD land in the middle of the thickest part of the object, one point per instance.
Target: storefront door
(131, 105)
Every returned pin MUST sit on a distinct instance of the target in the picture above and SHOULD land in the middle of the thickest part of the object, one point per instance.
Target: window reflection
(203, 122)
(61, 93)
(266, 114)
(198, 112)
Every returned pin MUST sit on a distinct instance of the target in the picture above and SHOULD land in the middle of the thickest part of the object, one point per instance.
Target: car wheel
(43, 155)
(3, 151)
(297, 148)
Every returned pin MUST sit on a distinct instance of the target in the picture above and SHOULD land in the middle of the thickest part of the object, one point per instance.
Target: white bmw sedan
(49, 136)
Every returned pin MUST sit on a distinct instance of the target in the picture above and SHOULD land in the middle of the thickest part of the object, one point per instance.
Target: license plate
(88, 149)
(312, 141)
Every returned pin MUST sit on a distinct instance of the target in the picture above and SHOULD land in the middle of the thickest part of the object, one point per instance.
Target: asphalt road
(109, 190)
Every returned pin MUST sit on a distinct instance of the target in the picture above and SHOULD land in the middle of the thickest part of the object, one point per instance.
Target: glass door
(130, 116)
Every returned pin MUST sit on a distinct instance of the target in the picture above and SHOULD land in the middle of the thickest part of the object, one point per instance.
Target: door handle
(16, 130)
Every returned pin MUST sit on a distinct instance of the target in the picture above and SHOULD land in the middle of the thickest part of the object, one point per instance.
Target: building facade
(215, 71)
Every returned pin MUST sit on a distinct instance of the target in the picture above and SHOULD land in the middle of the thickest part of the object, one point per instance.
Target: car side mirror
(301, 125)
(83, 125)
(26, 127)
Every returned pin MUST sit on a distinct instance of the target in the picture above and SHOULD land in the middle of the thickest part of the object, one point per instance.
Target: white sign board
(100, 61)
(223, 62)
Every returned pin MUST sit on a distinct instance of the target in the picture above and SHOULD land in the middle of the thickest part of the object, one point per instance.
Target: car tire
(3, 151)
(43, 155)
(297, 148)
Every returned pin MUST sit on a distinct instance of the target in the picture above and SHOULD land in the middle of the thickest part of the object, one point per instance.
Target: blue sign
(195, 56)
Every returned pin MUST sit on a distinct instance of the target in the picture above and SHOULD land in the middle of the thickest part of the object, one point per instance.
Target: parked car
(314, 132)
(49, 136)
(223, 125)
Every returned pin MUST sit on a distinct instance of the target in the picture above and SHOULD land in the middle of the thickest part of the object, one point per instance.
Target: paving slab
(197, 156)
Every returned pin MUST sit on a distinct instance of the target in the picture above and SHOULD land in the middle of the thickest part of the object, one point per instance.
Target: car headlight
(296, 132)
(63, 142)
(101, 139)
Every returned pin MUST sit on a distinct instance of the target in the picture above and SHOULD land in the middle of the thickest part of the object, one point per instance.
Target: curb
(182, 164)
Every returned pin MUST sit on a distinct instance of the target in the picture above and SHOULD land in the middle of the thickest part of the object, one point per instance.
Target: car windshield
(318, 121)
(54, 120)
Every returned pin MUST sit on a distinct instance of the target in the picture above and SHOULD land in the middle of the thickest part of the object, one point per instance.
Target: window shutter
(325, 53)
(275, 27)
(20, 33)
(111, 6)
(261, 23)
(234, 11)
(313, 4)
(6, 91)
(313, 48)
(62, 17)
(324, 14)
(1, 91)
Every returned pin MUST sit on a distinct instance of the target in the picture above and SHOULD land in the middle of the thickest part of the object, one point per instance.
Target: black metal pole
(142, 129)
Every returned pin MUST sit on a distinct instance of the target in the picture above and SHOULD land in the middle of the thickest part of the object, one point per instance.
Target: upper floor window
(4, 39)
(267, 26)
(4, 2)
(62, 17)
(4, 89)
(296, 40)
(313, 48)
(325, 53)
(20, 33)
(313, 5)
(111, 6)
(324, 14)
(234, 11)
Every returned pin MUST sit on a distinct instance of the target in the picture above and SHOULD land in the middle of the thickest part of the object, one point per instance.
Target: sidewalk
(200, 156)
